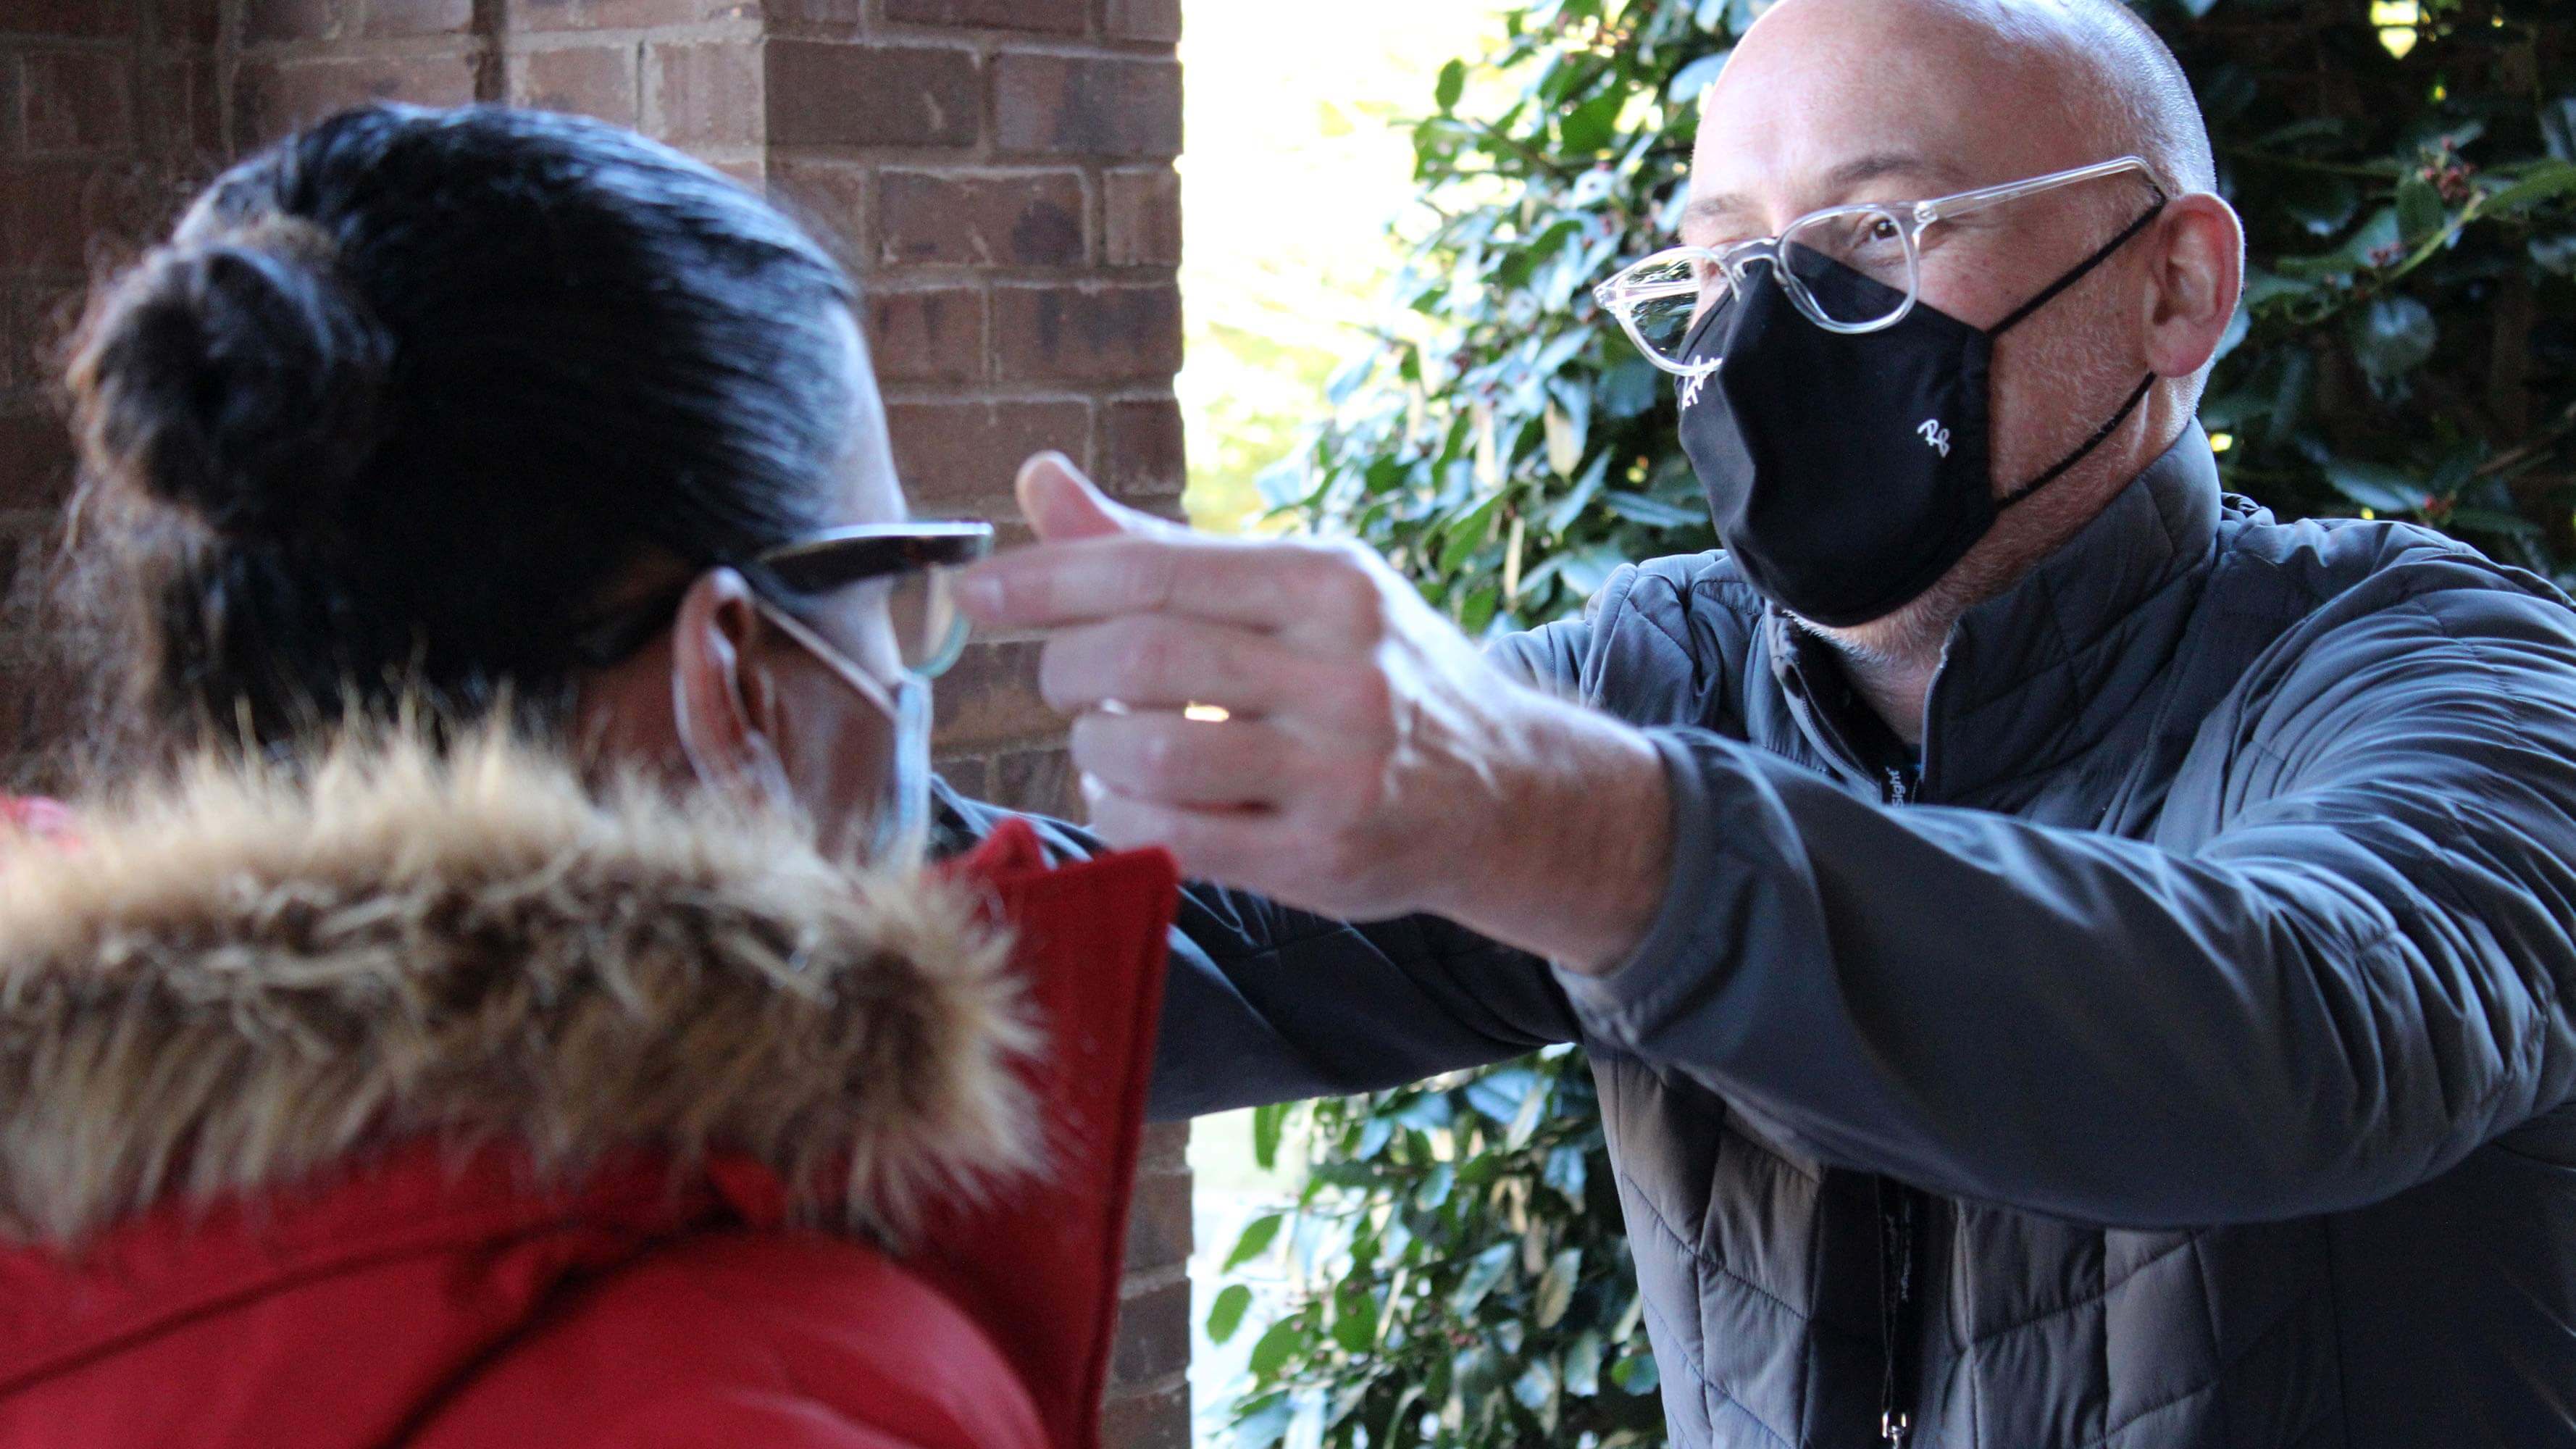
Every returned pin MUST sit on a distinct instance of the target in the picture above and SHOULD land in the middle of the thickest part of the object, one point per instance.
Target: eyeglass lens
(1668, 295)
(922, 606)
(1867, 241)
(907, 622)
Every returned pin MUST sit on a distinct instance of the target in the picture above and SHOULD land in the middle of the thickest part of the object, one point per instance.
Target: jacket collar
(232, 980)
(2038, 674)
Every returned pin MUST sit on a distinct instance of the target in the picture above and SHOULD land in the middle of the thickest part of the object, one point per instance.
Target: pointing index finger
(1262, 585)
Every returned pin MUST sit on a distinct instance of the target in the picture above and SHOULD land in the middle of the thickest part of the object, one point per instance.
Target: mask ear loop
(2049, 294)
(900, 831)
(2136, 397)
(2082, 269)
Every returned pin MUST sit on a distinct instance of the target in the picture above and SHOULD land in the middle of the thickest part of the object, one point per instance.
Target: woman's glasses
(910, 568)
(883, 592)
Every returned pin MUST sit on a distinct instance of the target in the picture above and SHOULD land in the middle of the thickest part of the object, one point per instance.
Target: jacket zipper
(1896, 1212)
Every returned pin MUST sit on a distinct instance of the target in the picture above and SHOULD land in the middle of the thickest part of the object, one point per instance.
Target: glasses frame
(1621, 294)
(837, 557)
(817, 562)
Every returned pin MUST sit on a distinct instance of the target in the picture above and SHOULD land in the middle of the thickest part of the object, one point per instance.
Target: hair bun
(235, 375)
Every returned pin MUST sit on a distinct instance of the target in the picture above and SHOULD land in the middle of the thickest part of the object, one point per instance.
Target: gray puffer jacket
(2179, 1060)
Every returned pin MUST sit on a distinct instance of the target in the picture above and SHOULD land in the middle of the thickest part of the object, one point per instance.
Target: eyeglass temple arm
(1960, 204)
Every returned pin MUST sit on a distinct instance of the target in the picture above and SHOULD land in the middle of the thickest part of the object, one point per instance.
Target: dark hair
(405, 396)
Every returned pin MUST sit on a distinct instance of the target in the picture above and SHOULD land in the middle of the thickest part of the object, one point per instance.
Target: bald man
(2070, 962)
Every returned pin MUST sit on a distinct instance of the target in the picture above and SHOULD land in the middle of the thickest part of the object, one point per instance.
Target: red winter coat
(449, 1106)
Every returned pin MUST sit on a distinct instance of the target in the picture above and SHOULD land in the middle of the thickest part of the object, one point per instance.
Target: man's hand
(1370, 762)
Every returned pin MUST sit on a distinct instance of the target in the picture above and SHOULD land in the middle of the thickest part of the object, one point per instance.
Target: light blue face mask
(897, 832)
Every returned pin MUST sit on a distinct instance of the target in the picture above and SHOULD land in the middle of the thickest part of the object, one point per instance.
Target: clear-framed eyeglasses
(1660, 299)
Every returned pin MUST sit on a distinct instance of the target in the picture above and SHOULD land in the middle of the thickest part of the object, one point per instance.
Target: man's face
(1831, 102)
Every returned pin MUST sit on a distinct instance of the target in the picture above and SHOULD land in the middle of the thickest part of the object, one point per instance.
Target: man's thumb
(1062, 504)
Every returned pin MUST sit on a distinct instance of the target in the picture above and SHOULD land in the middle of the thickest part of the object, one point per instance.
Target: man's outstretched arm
(1265, 1003)
(2364, 976)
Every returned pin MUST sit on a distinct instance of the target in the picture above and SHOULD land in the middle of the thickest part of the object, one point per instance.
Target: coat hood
(234, 977)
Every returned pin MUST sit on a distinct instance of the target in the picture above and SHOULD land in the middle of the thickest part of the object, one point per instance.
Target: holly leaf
(1556, 1288)
(1268, 1122)
(1225, 1315)
(1257, 1237)
(1694, 78)
(1482, 1274)
(1285, 1340)
(1588, 127)
(2392, 336)
(2420, 212)
(2375, 486)
(2542, 183)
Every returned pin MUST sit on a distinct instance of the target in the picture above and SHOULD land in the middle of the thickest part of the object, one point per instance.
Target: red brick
(594, 80)
(964, 773)
(1144, 217)
(69, 17)
(186, 22)
(1158, 1222)
(59, 216)
(1157, 1420)
(40, 319)
(1143, 453)
(829, 196)
(272, 98)
(181, 116)
(266, 20)
(990, 697)
(536, 15)
(1087, 334)
(929, 335)
(76, 100)
(420, 17)
(955, 452)
(1166, 1147)
(978, 218)
(1153, 20)
(705, 94)
(819, 12)
(1092, 106)
(1040, 782)
(1062, 17)
(35, 460)
(1153, 1335)
(823, 93)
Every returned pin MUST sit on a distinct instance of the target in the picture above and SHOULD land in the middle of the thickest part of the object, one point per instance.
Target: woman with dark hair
(495, 1006)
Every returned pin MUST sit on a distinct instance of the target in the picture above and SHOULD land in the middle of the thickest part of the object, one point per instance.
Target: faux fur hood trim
(234, 979)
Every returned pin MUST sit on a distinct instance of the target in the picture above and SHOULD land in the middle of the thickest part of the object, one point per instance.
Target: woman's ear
(724, 708)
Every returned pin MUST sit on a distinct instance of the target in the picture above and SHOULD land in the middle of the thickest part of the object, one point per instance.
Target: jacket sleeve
(2355, 977)
(1269, 1004)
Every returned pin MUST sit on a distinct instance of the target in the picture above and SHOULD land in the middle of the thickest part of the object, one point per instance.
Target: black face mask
(1847, 472)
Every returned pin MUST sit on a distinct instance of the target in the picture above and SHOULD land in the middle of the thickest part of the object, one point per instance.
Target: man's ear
(2199, 272)
(724, 708)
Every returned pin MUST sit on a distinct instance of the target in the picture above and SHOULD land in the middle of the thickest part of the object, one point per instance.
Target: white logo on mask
(1936, 435)
(1690, 389)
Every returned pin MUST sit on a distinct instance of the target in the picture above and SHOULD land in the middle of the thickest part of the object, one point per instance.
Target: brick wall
(998, 171)
(102, 105)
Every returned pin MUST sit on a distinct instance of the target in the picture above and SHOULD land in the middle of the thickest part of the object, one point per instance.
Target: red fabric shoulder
(1040, 1268)
(769, 1337)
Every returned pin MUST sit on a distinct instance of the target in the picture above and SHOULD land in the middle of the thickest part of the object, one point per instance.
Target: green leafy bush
(2407, 174)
